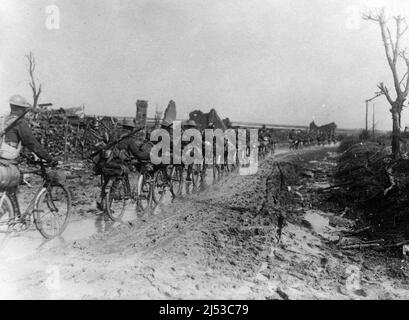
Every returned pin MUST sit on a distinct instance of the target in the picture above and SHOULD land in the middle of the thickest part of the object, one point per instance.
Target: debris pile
(54, 131)
(66, 135)
(204, 119)
(374, 185)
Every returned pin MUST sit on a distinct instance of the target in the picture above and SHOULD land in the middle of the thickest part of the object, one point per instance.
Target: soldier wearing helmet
(20, 134)
(128, 148)
(189, 124)
(166, 124)
(21, 131)
(133, 145)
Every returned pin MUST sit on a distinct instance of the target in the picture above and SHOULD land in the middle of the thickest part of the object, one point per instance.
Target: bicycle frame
(30, 210)
(43, 174)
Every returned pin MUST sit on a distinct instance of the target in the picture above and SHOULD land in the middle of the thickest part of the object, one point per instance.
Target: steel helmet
(129, 123)
(190, 123)
(166, 124)
(18, 100)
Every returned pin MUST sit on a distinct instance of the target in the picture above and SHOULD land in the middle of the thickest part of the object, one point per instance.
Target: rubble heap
(374, 185)
(204, 119)
(66, 135)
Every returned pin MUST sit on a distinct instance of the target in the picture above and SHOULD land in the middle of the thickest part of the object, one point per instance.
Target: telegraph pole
(366, 109)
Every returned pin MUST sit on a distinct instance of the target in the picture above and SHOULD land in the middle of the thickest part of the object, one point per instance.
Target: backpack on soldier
(7, 151)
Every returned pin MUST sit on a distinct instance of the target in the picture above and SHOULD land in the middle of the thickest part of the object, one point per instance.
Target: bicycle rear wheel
(189, 180)
(144, 193)
(216, 172)
(52, 210)
(197, 175)
(176, 181)
(117, 198)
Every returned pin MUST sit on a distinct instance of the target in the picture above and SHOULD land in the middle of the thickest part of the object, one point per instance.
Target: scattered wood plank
(358, 231)
(360, 246)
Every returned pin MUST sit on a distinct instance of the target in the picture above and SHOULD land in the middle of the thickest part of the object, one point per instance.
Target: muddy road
(220, 243)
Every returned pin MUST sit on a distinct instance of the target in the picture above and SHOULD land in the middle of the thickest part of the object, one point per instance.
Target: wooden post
(66, 140)
(366, 116)
(141, 113)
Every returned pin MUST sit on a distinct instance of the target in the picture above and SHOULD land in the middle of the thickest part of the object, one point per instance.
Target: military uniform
(21, 131)
(133, 146)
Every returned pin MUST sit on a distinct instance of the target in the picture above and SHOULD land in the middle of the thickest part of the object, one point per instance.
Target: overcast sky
(265, 61)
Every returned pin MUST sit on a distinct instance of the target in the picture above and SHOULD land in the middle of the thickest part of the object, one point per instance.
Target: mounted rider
(114, 160)
(293, 139)
(263, 133)
(134, 146)
(19, 134)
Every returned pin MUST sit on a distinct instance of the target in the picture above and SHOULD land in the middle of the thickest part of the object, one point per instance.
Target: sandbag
(147, 146)
(9, 176)
(57, 177)
(114, 169)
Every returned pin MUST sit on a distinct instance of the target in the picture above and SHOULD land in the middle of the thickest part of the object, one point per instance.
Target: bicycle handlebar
(42, 163)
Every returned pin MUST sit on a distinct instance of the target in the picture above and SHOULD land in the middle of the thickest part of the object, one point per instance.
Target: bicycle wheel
(117, 198)
(222, 170)
(176, 181)
(217, 172)
(197, 175)
(159, 186)
(6, 214)
(190, 184)
(52, 210)
(144, 193)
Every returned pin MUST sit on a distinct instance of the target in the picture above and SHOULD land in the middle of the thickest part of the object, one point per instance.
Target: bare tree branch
(403, 78)
(393, 53)
(406, 87)
(403, 21)
(31, 68)
(391, 42)
(384, 90)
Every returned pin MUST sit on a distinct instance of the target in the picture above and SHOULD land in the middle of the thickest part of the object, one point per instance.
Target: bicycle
(52, 199)
(161, 183)
(120, 192)
(176, 180)
(294, 144)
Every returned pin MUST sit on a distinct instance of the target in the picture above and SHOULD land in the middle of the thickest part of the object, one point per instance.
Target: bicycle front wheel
(159, 187)
(117, 198)
(6, 215)
(52, 210)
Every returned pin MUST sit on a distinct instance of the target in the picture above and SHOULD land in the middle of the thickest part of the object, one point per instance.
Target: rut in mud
(221, 243)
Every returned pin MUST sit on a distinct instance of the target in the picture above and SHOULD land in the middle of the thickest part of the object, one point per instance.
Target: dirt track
(219, 243)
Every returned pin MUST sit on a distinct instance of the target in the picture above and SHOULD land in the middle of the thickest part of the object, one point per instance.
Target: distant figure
(291, 135)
